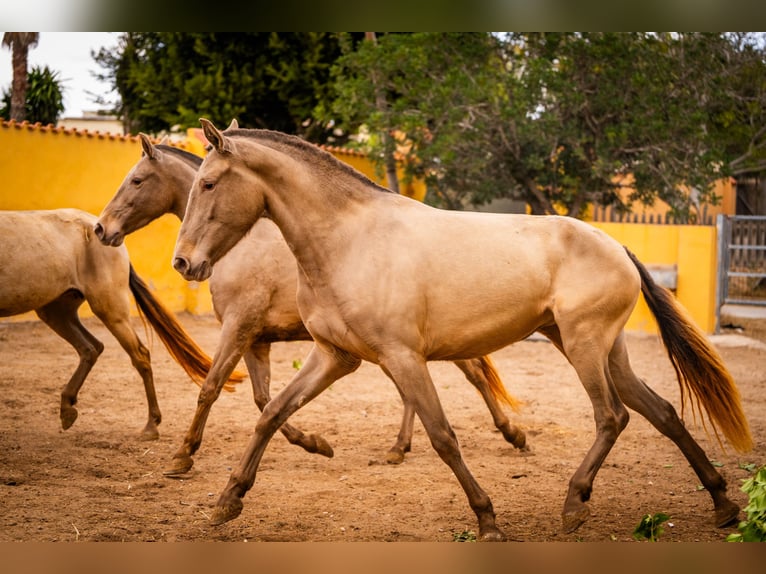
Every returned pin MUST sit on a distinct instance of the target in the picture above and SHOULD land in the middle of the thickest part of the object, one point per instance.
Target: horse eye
(136, 181)
(207, 186)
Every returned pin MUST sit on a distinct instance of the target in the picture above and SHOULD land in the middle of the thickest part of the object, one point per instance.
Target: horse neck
(179, 181)
(312, 209)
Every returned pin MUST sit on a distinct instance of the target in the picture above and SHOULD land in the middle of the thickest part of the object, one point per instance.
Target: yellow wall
(45, 168)
(692, 248)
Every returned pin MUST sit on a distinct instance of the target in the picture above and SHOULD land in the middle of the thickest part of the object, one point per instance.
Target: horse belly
(474, 327)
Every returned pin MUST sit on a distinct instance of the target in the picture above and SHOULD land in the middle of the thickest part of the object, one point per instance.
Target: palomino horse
(51, 263)
(390, 280)
(253, 291)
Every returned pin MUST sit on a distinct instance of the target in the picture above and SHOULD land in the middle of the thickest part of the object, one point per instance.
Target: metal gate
(741, 260)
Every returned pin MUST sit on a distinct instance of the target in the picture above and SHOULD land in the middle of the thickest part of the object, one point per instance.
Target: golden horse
(51, 263)
(253, 290)
(389, 280)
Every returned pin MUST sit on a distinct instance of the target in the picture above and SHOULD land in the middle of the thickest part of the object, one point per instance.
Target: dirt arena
(98, 482)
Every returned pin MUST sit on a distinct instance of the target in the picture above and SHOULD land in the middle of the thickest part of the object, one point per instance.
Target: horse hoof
(395, 456)
(68, 416)
(571, 521)
(494, 535)
(224, 513)
(149, 433)
(179, 465)
(726, 515)
(323, 447)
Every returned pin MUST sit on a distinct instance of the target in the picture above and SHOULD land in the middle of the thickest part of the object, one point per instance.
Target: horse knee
(142, 361)
(208, 395)
(444, 441)
(90, 354)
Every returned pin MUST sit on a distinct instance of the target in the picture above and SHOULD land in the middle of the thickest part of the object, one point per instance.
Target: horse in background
(51, 263)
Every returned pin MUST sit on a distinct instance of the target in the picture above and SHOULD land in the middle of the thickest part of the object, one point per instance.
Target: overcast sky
(67, 53)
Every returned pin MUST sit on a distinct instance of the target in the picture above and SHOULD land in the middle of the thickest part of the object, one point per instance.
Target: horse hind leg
(661, 414)
(610, 415)
(259, 367)
(61, 316)
(474, 372)
(115, 314)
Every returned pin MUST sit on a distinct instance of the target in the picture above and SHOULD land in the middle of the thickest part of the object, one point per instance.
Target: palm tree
(19, 44)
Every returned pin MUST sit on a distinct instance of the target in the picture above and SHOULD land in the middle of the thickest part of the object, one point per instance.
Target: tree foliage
(264, 80)
(562, 119)
(44, 97)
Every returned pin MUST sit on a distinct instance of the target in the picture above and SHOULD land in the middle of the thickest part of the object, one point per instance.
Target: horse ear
(215, 136)
(233, 125)
(146, 143)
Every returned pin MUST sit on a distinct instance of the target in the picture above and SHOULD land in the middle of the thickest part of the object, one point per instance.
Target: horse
(51, 263)
(390, 280)
(254, 297)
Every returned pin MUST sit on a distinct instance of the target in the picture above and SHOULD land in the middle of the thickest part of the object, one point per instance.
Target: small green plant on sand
(650, 527)
(297, 364)
(754, 528)
(465, 536)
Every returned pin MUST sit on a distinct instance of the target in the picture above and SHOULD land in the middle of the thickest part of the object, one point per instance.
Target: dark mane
(305, 148)
(189, 157)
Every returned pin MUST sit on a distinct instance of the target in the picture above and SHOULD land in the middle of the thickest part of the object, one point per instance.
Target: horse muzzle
(191, 272)
(113, 240)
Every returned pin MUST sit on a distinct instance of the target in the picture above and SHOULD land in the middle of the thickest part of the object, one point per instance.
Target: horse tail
(178, 343)
(699, 368)
(496, 386)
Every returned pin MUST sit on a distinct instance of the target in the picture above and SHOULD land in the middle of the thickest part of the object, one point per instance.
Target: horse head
(148, 191)
(224, 202)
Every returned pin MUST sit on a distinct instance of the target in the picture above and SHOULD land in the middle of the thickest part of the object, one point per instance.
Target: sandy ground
(98, 482)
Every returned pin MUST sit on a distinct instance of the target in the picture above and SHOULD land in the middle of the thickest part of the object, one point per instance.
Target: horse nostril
(181, 264)
(98, 229)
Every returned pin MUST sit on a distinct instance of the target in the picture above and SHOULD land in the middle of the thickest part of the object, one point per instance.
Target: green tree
(554, 119)
(19, 44)
(44, 97)
(264, 80)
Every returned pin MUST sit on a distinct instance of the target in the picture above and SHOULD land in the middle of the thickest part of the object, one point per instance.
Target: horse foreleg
(224, 362)
(661, 414)
(61, 316)
(259, 367)
(320, 370)
(410, 374)
(475, 375)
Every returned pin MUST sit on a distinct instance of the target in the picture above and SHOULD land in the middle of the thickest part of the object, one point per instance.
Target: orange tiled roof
(37, 126)
(9, 124)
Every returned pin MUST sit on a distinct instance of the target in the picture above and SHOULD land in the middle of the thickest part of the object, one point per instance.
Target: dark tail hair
(699, 368)
(496, 386)
(178, 343)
